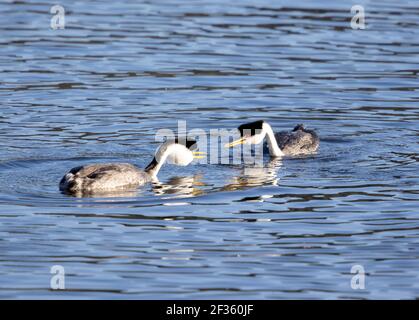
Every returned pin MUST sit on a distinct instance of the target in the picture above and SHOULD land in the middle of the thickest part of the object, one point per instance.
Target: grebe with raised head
(299, 141)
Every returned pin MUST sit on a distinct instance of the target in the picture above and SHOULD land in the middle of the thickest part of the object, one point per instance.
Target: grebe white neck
(274, 149)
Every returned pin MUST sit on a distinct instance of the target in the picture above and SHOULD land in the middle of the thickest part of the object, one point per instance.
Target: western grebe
(299, 141)
(109, 177)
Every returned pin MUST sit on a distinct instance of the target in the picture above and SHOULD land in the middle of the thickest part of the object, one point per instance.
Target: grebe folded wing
(102, 177)
(298, 141)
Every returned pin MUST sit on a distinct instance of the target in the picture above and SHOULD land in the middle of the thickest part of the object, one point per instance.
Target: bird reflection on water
(255, 176)
(179, 186)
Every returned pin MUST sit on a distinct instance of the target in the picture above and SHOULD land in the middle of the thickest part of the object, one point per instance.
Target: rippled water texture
(98, 91)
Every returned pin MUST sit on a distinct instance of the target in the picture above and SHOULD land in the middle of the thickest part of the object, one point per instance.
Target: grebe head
(180, 152)
(251, 133)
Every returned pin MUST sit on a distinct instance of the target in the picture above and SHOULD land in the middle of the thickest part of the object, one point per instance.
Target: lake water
(98, 91)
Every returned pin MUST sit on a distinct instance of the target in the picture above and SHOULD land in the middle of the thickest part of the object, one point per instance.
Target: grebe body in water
(299, 141)
(109, 177)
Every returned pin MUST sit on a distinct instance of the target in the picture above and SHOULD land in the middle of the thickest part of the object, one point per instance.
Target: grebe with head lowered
(110, 177)
(299, 141)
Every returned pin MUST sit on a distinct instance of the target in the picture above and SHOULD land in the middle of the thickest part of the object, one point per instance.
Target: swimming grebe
(108, 177)
(299, 141)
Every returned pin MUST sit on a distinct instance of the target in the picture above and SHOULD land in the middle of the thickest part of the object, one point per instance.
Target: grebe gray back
(299, 141)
